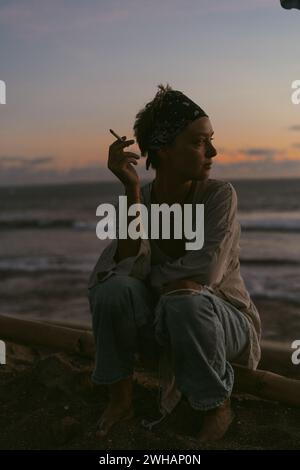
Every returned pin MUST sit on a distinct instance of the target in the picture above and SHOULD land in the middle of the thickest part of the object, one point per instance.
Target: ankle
(121, 392)
(225, 405)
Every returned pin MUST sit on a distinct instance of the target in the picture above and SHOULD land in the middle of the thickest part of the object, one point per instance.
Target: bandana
(175, 113)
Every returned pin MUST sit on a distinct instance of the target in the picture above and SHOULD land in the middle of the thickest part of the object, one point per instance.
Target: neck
(170, 189)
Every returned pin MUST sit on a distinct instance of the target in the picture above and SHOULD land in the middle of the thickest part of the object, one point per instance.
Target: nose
(210, 151)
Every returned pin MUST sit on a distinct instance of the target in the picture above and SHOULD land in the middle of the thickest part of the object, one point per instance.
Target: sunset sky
(73, 69)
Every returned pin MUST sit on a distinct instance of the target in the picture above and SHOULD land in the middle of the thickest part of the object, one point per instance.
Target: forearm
(129, 247)
(181, 284)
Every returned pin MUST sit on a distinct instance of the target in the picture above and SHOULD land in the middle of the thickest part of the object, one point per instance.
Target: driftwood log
(77, 339)
(267, 385)
(37, 333)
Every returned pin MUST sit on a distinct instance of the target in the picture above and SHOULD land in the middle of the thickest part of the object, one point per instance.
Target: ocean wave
(269, 262)
(259, 279)
(279, 295)
(66, 263)
(256, 221)
(291, 226)
(13, 224)
(270, 221)
(273, 227)
(40, 264)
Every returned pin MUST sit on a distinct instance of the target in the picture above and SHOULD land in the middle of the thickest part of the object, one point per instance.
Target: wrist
(133, 190)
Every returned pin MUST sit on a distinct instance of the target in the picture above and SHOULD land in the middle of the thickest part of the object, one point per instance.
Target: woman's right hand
(120, 163)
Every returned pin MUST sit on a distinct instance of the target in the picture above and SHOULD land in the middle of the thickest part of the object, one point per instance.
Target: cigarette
(116, 135)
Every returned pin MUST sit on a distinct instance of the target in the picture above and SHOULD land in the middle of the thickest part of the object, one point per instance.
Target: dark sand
(48, 402)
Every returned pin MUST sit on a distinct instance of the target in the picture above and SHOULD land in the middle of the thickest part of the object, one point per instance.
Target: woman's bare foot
(112, 415)
(216, 422)
(119, 407)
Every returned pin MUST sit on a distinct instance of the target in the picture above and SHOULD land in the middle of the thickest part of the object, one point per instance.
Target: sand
(47, 400)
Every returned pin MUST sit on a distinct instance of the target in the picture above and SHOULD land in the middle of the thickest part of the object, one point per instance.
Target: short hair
(145, 122)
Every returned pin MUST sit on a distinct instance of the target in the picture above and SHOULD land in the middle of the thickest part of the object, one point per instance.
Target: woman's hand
(181, 284)
(120, 163)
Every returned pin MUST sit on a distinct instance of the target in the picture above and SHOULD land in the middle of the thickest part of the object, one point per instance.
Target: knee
(192, 316)
(120, 285)
(116, 290)
(187, 312)
(184, 306)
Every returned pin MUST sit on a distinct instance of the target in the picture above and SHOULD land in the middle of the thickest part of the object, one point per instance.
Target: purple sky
(73, 69)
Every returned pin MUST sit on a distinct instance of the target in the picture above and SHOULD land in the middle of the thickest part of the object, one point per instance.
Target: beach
(47, 401)
(47, 251)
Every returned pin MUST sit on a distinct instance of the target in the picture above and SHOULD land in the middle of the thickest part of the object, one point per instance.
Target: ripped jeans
(205, 332)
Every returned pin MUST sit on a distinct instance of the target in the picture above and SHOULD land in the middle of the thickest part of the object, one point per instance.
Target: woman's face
(190, 155)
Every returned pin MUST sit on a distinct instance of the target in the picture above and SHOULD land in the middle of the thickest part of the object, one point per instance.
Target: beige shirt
(216, 266)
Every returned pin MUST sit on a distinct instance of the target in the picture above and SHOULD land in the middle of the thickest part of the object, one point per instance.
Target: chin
(201, 175)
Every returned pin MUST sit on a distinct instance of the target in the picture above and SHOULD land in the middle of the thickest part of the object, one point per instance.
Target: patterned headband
(175, 113)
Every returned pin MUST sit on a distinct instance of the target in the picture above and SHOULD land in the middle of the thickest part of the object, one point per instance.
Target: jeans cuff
(207, 405)
(108, 381)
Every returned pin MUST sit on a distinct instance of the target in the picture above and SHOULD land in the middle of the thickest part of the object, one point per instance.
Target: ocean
(51, 228)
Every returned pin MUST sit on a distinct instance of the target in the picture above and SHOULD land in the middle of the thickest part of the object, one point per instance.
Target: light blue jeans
(205, 332)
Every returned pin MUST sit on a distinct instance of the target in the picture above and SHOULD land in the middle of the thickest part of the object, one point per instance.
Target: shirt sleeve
(138, 266)
(208, 264)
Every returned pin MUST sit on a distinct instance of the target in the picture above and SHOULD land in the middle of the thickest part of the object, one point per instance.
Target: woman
(190, 308)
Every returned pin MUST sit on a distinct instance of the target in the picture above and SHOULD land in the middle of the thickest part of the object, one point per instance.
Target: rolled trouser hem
(108, 381)
(209, 403)
(204, 406)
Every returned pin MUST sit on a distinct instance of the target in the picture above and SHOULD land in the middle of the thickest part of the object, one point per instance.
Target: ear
(162, 153)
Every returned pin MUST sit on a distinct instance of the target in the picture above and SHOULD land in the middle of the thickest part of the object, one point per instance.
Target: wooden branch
(261, 383)
(34, 333)
(267, 385)
(277, 357)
